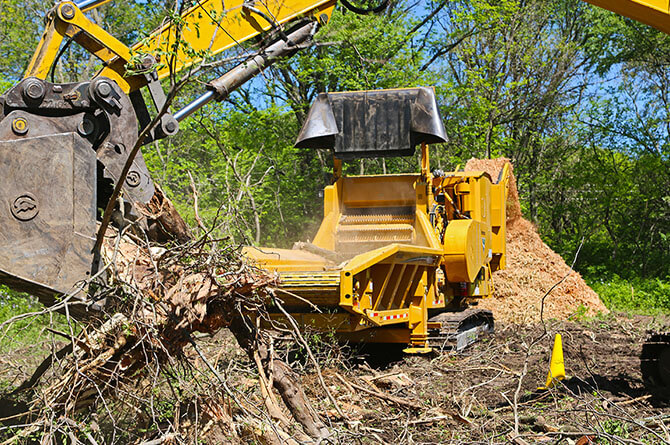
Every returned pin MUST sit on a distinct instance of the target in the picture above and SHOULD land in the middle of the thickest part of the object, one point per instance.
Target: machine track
(655, 360)
(460, 329)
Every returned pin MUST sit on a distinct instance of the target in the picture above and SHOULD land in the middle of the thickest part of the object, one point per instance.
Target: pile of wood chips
(532, 269)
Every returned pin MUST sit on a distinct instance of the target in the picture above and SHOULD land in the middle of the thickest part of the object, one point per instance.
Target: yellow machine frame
(401, 262)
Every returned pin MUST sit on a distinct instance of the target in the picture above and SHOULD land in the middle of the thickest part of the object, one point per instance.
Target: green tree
(512, 86)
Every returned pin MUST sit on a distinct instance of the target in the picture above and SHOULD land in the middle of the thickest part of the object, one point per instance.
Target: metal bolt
(20, 126)
(68, 11)
(104, 89)
(86, 127)
(133, 179)
(148, 61)
(33, 89)
(169, 125)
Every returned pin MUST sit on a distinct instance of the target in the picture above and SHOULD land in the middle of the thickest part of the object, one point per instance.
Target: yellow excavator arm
(654, 13)
(207, 28)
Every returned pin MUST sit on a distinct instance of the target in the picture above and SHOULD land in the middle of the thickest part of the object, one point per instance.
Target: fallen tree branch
(296, 331)
(379, 395)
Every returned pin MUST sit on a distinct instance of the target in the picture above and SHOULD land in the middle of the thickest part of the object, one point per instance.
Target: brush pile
(141, 352)
(532, 269)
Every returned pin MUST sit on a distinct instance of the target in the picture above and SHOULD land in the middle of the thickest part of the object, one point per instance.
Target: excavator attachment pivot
(62, 148)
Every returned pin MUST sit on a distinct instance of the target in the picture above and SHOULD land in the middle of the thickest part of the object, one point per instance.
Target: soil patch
(469, 397)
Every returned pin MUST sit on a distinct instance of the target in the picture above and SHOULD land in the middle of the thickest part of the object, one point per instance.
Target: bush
(29, 330)
(637, 294)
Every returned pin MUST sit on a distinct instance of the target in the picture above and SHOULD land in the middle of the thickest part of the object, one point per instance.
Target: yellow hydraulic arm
(654, 13)
(207, 28)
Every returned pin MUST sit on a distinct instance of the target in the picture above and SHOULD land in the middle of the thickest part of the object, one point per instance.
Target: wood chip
(532, 268)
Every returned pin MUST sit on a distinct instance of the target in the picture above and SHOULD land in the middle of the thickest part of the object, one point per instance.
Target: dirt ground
(470, 397)
(459, 398)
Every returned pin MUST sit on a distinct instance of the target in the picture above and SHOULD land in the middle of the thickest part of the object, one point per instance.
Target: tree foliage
(552, 85)
(577, 97)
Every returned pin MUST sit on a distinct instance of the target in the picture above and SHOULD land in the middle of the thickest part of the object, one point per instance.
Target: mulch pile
(532, 269)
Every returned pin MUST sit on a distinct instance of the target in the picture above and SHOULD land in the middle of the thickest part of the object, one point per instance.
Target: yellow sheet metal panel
(325, 237)
(332, 197)
(332, 203)
(498, 205)
(375, 191)
(499, 194)
(286, 259)
(475, 193)
(483, 199)
(392, 285)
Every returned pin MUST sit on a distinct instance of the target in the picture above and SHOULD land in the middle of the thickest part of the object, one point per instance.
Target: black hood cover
(377, 123)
